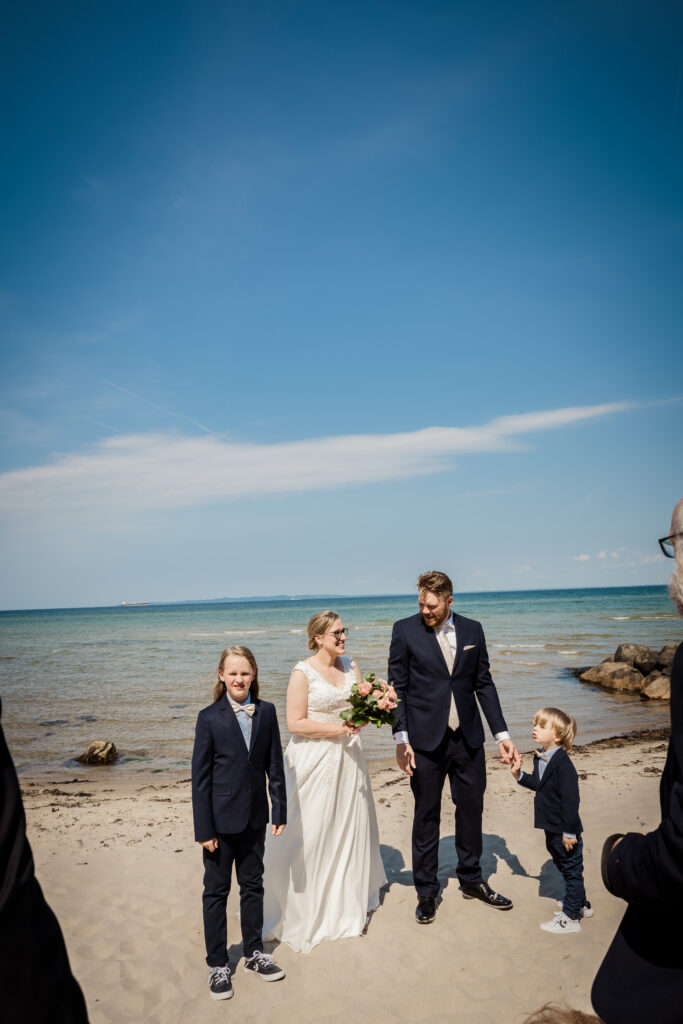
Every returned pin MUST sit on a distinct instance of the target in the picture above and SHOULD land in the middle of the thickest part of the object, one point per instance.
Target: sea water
(139, 675)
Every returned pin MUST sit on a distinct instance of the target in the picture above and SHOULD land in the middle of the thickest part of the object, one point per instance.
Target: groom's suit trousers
(465, 768)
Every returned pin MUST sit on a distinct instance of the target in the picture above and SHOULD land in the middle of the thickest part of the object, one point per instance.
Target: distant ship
(135, 604)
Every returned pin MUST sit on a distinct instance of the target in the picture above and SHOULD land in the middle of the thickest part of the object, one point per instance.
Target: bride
(323, 876)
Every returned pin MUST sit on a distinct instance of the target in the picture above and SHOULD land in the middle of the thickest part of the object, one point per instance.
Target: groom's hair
(436, 583)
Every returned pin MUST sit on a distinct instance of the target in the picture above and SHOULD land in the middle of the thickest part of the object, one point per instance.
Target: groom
(437, 665)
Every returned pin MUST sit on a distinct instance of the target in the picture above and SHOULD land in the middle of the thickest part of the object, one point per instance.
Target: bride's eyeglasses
(338, 633)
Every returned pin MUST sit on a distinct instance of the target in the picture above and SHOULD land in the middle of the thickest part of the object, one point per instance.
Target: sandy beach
(118, 864)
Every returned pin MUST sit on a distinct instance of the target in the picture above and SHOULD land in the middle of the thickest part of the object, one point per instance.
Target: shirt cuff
(569, 835)
(401, 737)
(502, 736)
(520, 776)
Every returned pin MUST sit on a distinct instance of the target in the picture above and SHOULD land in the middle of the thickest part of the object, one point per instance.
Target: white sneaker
(561, 923)
(586, 910)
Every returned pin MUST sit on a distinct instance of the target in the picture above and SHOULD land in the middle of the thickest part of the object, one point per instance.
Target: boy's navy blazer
(556, 804)
(229, 781)
(420, 676)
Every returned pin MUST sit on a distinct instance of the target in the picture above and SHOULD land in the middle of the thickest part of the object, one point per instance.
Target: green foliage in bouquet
(372, 700)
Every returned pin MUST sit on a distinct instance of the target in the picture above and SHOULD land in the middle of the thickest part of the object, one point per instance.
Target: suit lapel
(255, 723)
(550, 766)
(229, 719)
(459, 640)
(432, 644)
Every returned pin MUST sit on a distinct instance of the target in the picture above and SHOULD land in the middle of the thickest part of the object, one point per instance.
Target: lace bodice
(325, 701)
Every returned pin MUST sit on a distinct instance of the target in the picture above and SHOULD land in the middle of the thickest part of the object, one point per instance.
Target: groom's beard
(676, 585)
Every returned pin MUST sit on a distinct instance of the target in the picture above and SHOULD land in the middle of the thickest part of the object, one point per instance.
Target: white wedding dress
(323, 875)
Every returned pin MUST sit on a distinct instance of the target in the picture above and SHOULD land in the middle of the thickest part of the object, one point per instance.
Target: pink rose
(376, 694)
(364, 689)
(383, 704)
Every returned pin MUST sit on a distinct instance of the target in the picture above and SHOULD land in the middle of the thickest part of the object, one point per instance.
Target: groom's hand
(405, 758)
(278, 829)
(508, 751)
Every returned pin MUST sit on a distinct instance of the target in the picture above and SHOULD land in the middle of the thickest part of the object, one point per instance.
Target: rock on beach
(99, 752)
(635, 668)
(614, 675)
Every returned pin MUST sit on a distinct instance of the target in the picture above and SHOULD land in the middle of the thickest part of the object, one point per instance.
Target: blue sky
(310, 298)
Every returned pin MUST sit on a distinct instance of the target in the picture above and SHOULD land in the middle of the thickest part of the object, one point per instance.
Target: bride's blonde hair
(319, 624)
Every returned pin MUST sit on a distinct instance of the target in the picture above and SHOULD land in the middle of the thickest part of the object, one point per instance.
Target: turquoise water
(138, 676)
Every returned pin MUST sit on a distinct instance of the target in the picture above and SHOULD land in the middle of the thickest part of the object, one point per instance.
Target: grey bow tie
(248, 709)
(542, 756)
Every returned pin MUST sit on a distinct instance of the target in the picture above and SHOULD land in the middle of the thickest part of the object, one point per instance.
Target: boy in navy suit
(236, 748)
(556, 810)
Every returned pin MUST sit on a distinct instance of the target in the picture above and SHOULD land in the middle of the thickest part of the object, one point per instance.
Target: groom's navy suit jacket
(420, 676)
(229, 781)
(556, 803)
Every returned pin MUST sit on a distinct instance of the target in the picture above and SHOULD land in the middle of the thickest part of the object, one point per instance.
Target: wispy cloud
(157, 408)
(146, 471)
(582, 558)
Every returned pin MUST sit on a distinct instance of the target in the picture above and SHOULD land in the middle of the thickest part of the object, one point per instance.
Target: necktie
(449, 657)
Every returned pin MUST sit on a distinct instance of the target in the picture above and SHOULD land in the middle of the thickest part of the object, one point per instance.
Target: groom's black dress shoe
(483, 891)
(426, 910)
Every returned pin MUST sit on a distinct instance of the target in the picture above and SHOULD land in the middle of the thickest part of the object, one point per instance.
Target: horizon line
(312, 597)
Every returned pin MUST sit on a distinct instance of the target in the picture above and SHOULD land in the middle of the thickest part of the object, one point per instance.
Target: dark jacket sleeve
(569, 790)
(487, 695)
(648, 870)
(528, 780)
(202, 766)
(398, 676)
(276, 777)
(36, 982)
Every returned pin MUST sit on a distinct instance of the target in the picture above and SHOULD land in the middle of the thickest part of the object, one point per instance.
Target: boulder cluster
(635, 668)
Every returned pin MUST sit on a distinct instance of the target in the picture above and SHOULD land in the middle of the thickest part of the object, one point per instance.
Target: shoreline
(112, 775)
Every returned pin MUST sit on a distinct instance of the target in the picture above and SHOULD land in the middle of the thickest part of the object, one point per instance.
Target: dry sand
(118, 864)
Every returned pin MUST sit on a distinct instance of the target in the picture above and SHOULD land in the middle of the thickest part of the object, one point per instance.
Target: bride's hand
(347, 729)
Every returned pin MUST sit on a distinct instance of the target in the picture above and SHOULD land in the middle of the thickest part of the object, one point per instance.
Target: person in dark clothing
(36, 983)
(556, 810)
(641, 978)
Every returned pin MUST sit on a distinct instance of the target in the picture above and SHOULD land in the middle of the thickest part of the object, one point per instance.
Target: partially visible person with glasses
(323, 877)
(640, 981)
(667, 544)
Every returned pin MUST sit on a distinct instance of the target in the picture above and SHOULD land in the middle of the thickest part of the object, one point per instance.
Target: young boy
(556, 811)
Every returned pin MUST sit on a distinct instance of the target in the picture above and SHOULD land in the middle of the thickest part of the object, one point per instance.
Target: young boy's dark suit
(556, 811)
(229, 802)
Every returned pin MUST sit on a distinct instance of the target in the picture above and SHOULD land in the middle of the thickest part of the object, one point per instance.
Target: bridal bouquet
(372, 700)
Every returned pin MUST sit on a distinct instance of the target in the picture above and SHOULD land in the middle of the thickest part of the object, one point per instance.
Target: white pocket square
(469, 647)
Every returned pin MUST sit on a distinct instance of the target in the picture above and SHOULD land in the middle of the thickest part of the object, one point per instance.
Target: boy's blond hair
(563, 724)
